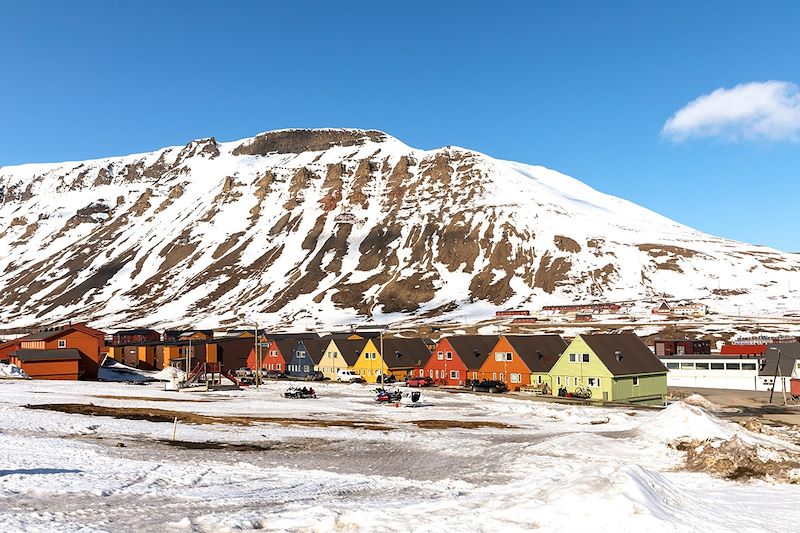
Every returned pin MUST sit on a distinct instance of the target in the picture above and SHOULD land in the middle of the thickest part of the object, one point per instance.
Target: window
(673, 366)
(748, 366)
(635, 381)
(540, 379)
(437, 374)
(499, 356)
(566, 381)
(586, 358)
(273, 353)
(573, 357)
(439, 356)
(717, 366)
(702, 366)
(593, 382)
(733, 366)
(474, 375)
(508, 356)
(300, 355)
(494, 376)
(687, 366)
(377, 372)
(454, 374)
(502, 377)
(449, 356)
(558, 380)
(516, 378)
(430, 372)
(421, 373)
(62, 343)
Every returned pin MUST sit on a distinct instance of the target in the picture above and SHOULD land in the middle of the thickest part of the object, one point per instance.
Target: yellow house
(340, 354)
(402, 358)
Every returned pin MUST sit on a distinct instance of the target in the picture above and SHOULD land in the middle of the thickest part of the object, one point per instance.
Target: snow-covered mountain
(332, 227)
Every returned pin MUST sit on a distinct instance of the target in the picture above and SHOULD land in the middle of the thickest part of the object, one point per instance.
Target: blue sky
(581, 87)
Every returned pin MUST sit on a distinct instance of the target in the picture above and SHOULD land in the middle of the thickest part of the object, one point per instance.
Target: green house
(613, 367)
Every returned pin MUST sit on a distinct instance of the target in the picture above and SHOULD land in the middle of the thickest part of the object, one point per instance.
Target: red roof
(743, 349)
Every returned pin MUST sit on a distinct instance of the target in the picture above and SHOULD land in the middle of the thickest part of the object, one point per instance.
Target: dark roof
(637, 358)
(141, 331)
(315, 348)
(297, 336)
(403, 353)
(790, 353)
(473, 349)
(539, 352)
(286, 347)
(66, 354)
(350, 350)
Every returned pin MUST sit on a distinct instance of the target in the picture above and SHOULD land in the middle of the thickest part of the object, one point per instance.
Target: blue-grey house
(306, 354)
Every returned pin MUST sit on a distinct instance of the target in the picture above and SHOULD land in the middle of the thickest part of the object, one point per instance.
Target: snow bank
(11, 371)
(683, 421)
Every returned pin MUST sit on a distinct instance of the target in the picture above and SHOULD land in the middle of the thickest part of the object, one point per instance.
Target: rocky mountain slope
(313, 227)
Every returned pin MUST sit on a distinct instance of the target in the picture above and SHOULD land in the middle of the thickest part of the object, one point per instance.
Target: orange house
(87, 342)
(519, 360)
(7, 348)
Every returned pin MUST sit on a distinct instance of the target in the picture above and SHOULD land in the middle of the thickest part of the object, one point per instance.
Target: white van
(348, 376)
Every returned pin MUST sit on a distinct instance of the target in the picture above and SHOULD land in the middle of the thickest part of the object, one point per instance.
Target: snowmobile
(300, 393)
(387, 395)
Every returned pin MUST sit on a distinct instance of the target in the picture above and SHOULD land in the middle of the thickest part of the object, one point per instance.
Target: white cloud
(762, 111)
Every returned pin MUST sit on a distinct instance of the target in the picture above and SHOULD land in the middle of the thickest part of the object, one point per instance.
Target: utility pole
(382, 358)
(775, 376)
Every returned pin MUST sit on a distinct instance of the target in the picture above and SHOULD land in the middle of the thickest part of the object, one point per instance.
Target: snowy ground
(554, 471)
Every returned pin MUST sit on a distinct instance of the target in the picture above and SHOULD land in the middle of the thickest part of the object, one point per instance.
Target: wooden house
(398, 357)
(306, 355)
(177, 335)
(134, 336)
(88, 342)
(667, 347)
(340, 354)
(60, 363)
(523, 360)
(275, 355)
(613, 367)
(7, 348)
(458, 358)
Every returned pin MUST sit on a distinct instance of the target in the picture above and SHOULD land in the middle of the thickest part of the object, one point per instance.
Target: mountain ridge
(335, 226)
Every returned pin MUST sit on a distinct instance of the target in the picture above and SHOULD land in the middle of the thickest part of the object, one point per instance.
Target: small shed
(48, 364)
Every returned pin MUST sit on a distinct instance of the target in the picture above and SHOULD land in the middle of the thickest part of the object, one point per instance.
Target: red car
(420, 381)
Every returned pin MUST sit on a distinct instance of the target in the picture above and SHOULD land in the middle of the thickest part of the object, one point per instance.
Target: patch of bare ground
(736, 459)
(551, 272)
(149, 398)
(233, 446)
(166, 415)
(565, 244)
(460, 424)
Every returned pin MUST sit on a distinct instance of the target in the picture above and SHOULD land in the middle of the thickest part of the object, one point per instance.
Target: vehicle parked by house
(488, 385)
(348, 376)
(316, 375)
(419, 381)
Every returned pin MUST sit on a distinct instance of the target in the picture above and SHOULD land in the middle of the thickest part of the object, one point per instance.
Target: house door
(605, 396)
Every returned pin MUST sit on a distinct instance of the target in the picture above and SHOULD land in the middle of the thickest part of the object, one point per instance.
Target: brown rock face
(299, 141)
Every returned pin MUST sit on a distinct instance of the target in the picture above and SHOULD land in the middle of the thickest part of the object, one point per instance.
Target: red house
(76, 342)
(274, 355)
(458, 358)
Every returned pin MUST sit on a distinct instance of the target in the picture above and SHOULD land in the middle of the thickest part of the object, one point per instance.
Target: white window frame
(498, 356)
(509, 356)
(515, 377)
(585, 357)
(635, 381)
(454, 374)
(448, 356)
(62, 343)
(440, 356)
(573, 358)
(558, 380)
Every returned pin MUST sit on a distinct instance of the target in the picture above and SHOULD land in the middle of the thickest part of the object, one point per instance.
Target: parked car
(488, 385)
(315, 376)
(275, 374)
(386, 378)
(243, 372)
(420, 381)
(349, 376)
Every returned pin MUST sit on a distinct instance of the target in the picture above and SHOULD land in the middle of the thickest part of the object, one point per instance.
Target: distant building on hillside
(687, 309)
(664, 347)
